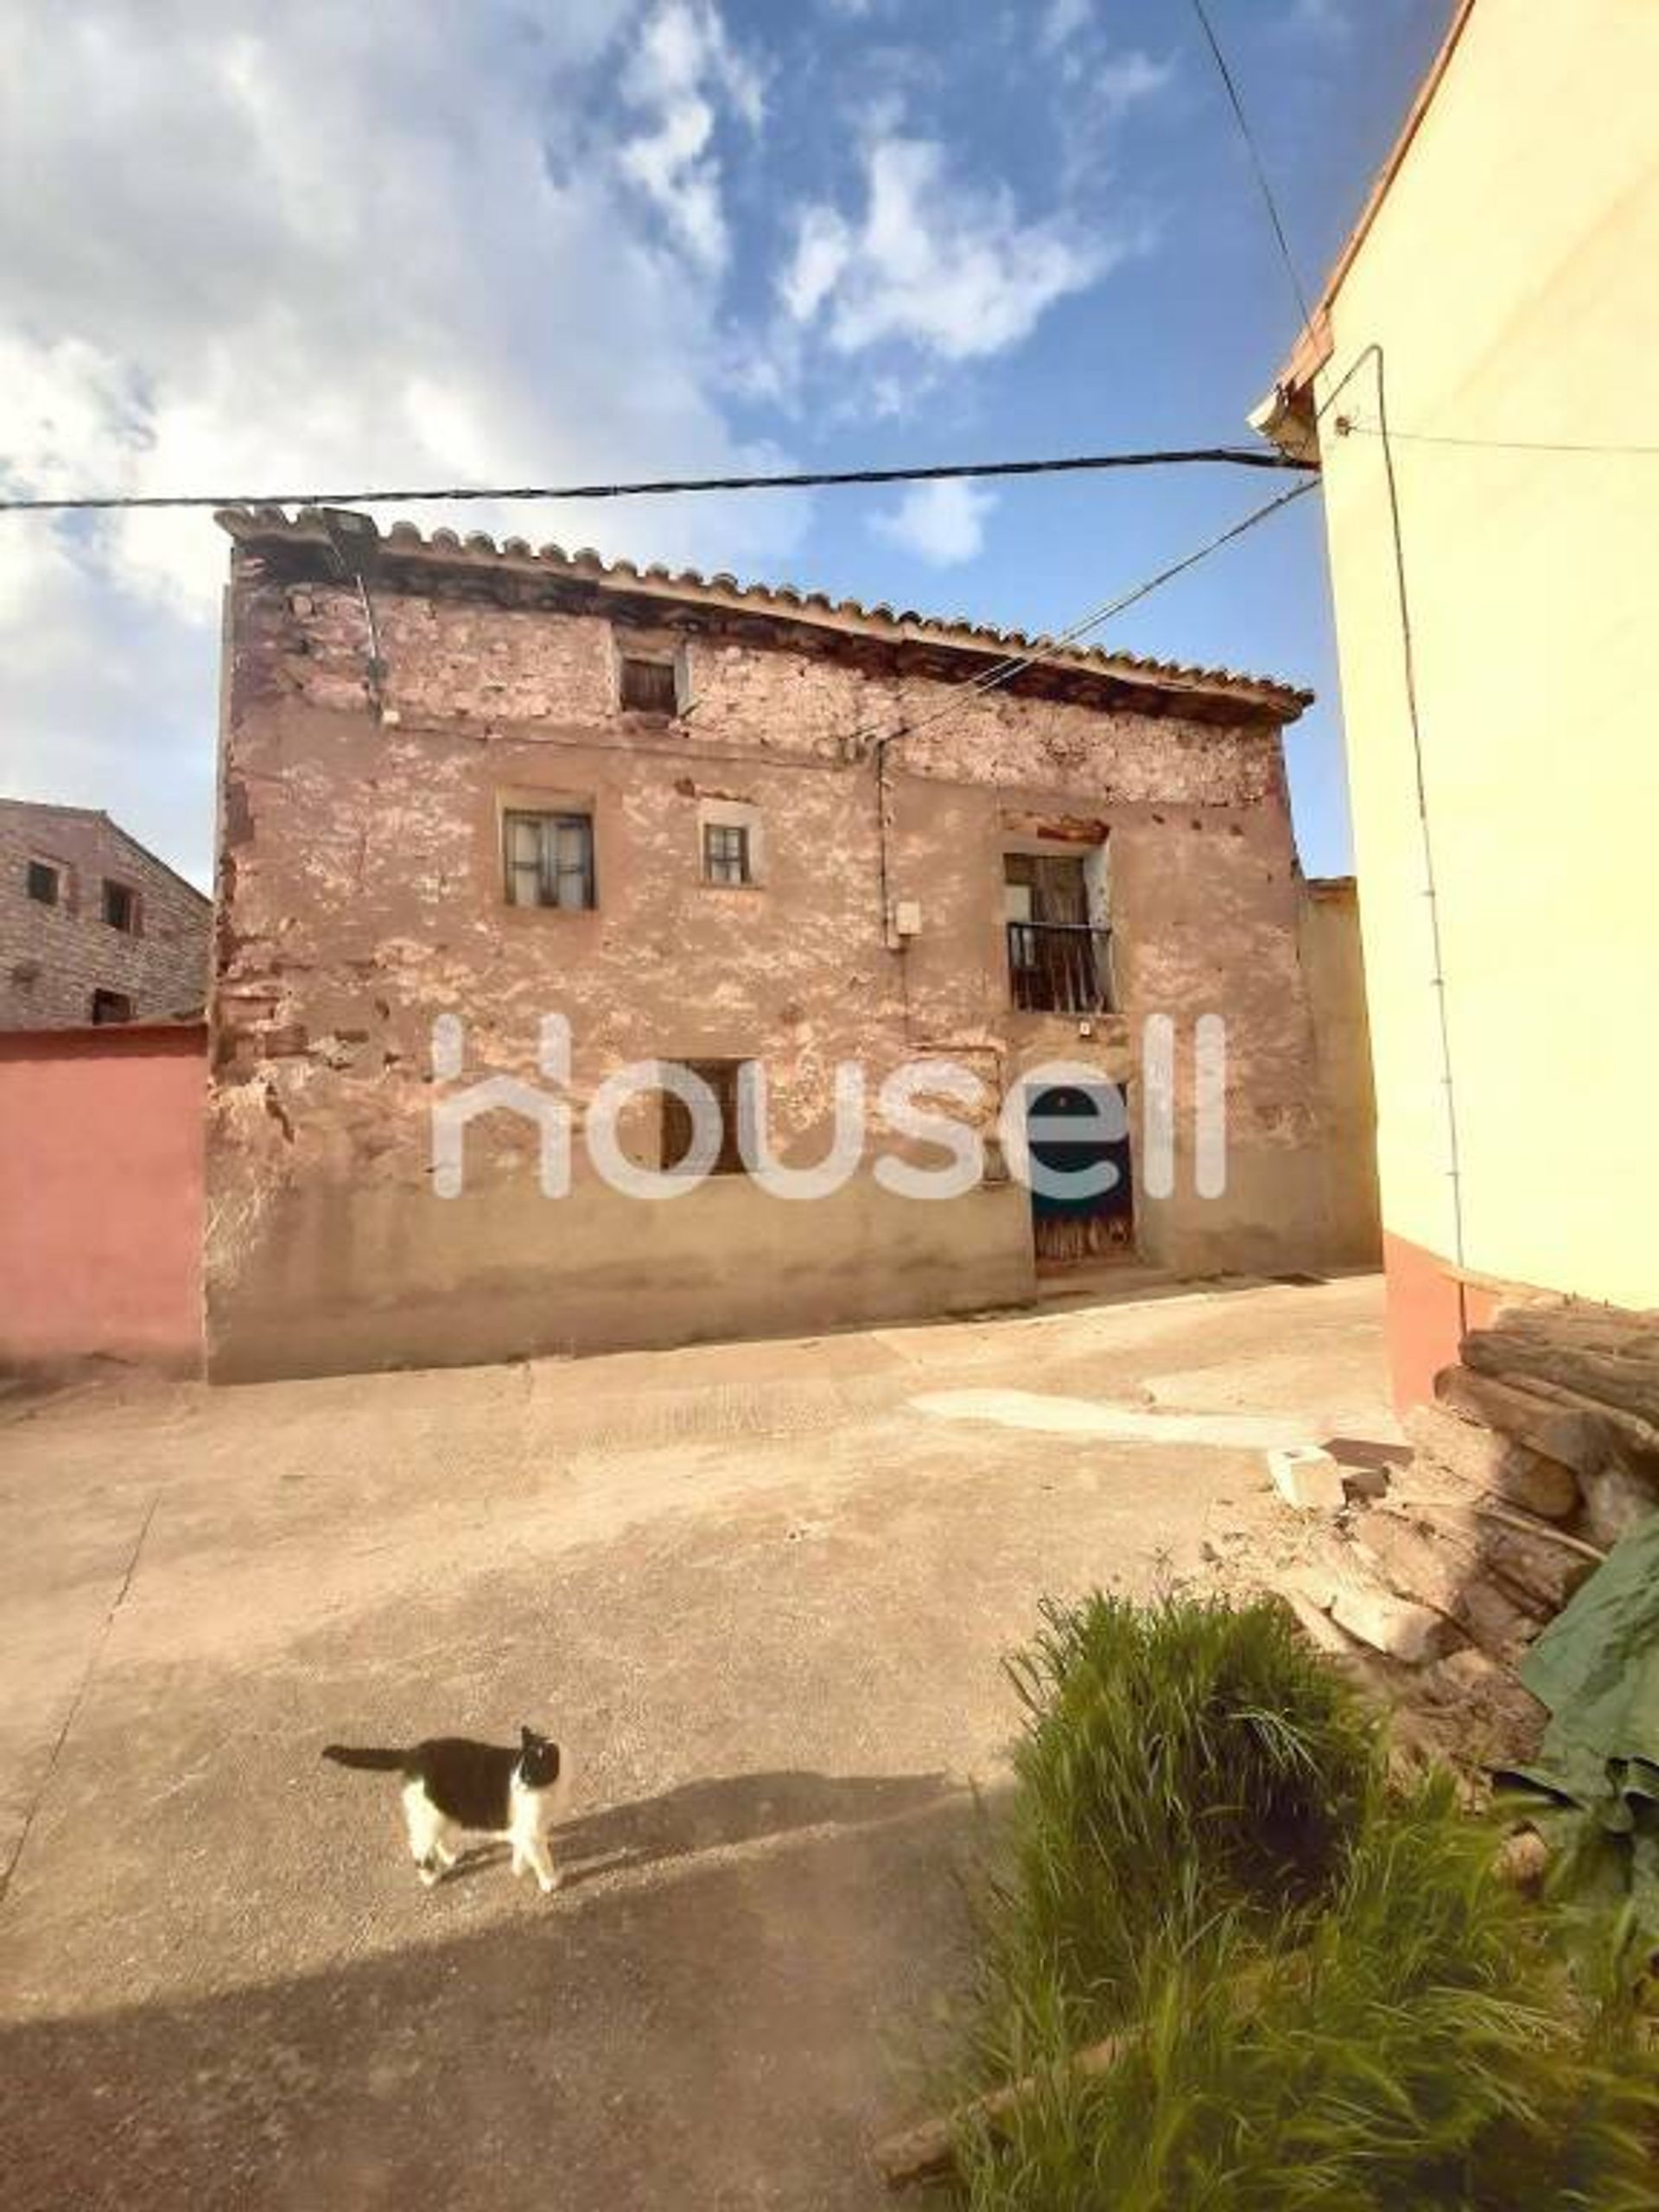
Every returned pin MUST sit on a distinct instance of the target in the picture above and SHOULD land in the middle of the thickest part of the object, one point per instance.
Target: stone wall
(361, 897)
(1334, 966)
(53, 958)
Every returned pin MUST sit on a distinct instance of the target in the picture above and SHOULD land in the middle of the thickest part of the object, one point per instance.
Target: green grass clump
(1329, 1998)
(1177, 1760)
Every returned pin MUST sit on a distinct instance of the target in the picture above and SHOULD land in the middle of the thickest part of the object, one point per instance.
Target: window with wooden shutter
(649, 687)
(721, 1076)
(549, 859)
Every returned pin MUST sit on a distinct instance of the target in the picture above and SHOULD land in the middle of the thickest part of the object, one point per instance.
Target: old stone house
(93, 928)
(717, 826)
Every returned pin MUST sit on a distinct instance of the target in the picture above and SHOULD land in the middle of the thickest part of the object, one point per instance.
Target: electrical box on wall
(907, 917)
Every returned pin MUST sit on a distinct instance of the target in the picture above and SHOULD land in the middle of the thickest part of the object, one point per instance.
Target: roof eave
(1314, 344)
(444, 549)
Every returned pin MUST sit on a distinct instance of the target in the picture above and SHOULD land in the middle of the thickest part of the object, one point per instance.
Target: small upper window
(45, 883)
(110, 1006)
(550, 859)
(726, 852)
(650, 687)
(121, 906)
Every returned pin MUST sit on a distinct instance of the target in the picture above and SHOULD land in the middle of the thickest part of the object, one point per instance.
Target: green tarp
(1595, 1782)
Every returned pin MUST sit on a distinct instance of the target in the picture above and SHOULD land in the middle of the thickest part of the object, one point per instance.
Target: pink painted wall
(101, 1192)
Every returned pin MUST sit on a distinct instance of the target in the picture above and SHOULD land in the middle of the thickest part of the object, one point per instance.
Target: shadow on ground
(734, 1809)
(741, 2025)
(716, 1814)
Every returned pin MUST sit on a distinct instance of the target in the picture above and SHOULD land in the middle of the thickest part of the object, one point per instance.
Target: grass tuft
(1329, 1998)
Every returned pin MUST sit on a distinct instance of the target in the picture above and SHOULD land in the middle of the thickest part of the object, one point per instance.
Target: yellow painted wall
(1511, 278)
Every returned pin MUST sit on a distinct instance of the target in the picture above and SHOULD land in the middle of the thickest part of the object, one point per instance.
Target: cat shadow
(737, 1809)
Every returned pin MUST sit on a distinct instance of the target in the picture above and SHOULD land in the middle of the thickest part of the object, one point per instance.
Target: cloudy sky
(249, 248)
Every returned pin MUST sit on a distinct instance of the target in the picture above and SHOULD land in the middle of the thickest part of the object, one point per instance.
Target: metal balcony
(1060, 967)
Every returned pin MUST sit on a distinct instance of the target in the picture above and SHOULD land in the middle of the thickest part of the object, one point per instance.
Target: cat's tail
(376, 1762)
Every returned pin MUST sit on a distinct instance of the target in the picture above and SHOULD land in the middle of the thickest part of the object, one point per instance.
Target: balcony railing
(1060, 967)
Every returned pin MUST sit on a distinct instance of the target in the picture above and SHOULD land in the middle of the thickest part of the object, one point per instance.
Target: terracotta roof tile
(251, 525)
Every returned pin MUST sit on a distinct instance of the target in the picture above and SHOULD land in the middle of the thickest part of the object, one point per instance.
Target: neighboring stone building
(93, 928)
(714, 825)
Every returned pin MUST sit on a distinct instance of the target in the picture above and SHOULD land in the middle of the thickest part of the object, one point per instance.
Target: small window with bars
(44, 883)
(121, 906)
(550, 859)
(726, 852)
(649, 687)
(721, 1076)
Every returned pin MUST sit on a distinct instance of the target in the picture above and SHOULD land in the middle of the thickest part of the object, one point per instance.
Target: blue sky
(251, 249)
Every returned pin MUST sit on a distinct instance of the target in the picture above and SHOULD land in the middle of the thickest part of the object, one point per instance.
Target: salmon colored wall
(1426, 1317)
(101, 1192)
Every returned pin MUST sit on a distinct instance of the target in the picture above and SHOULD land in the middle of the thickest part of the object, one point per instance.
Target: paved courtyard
(760, 1592)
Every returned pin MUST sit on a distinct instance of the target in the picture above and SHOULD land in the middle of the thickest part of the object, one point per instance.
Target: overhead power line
(1347, 424)
(1046, 649)
(662, 488)
(1263, 184)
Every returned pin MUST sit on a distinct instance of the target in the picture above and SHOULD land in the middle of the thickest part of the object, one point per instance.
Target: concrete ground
(760, 1592)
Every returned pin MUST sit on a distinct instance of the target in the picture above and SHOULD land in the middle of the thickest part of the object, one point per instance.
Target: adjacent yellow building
(1481, 385)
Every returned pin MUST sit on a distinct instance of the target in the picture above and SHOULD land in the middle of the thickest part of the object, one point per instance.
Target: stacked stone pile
(1541, 1451)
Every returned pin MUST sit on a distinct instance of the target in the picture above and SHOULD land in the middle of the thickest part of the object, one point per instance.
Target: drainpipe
(1344, 427)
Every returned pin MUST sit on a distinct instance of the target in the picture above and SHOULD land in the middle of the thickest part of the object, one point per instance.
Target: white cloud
(683, 66)
(935, 261)
(1062, 21)
(107, 704)
(1327, 18)
(1070, 37)
(261, 252)
(944, 521)
(824, 246)
(1125, 80)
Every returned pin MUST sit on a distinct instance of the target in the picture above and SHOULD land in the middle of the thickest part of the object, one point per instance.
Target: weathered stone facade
(59, 948)
(361, 895)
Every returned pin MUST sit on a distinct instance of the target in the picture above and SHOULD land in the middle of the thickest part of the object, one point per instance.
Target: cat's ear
(527, 1736)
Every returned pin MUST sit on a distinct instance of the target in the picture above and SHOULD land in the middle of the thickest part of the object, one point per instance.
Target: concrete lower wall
(342, 1276)
(379, 1276)
(101, 1194)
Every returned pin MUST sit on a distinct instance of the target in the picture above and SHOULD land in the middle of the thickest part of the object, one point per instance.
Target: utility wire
(1373, 353)
(803, 479)
(1256, 162)
(1346, 424)
(1046, 649)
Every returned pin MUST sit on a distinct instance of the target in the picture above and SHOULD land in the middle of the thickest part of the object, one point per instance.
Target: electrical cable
(1256, 162)
(1005, 672)
(1373, 353)
(800, 480)
(1347, 425)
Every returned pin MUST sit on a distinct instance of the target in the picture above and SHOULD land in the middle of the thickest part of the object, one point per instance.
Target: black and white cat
(451, 1784)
